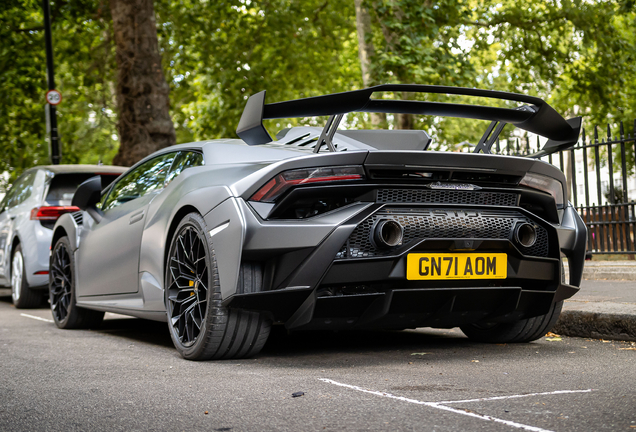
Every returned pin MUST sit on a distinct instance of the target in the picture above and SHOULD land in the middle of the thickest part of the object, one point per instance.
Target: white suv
(27, 215)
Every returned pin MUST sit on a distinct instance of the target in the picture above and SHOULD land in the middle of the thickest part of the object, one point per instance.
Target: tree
(144, 121)
(570, 52)
(366, 51)
(578, 54)
(219, 53)
(84, 61)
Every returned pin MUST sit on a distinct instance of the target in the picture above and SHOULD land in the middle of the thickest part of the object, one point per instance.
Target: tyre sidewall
(213, 303)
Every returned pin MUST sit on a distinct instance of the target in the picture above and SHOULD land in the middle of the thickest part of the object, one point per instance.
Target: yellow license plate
(436, 266)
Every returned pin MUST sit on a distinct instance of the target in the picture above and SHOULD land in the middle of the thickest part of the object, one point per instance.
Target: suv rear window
(63, 186)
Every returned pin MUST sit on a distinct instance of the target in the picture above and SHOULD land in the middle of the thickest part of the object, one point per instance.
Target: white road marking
(36, 318)
(458, 411)
(517, 396)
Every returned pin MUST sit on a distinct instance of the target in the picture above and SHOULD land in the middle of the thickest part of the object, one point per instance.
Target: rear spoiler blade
(537, 117)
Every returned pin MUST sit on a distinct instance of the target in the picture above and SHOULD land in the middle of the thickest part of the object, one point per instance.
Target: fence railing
(601, 182)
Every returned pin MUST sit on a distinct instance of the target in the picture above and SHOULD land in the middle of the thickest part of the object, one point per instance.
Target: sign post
(53, 97)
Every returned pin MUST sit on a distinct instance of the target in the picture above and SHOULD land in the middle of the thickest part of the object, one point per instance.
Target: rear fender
(167, 213)
(66, 226)
(226, 226)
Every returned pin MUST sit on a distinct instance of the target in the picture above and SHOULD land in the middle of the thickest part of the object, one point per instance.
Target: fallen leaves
(552, 337)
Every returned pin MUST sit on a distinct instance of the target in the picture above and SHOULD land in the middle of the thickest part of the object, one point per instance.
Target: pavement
(126, 376)
(605, 307)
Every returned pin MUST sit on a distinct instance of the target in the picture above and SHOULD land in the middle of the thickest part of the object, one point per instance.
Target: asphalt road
(127, 376)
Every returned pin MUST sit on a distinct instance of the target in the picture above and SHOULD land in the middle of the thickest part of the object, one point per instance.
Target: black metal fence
(602, 185)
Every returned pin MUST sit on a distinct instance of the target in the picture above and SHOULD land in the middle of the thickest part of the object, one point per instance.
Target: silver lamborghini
(328, 229)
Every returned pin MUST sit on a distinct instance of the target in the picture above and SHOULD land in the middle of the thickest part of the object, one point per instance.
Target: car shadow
(329, 349)
(344, 349)
(284, 344)
(313, 344)
(138, 330)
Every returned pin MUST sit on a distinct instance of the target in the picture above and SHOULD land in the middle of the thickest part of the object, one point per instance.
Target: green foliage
(217, 54)
(578, 54)
(22, 112)
(84, 65)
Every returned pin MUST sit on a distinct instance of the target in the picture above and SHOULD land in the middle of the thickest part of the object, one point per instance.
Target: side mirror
(88, 195)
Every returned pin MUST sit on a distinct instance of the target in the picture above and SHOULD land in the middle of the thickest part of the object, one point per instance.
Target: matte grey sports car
(328, 230)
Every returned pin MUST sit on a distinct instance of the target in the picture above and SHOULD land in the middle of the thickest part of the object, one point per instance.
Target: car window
(144, 179)
(5, 201)
(184, 160)
(22, 189)
(64, 185)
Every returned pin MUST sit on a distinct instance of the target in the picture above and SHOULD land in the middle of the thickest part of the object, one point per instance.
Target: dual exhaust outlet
(389, 233)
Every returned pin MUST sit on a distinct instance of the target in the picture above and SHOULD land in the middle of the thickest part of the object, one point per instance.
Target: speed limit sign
(53, 97)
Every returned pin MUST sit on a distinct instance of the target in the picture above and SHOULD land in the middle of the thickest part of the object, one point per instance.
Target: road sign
(53, 97)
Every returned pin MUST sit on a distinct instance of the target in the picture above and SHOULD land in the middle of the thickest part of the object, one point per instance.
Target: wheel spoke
(187, 285)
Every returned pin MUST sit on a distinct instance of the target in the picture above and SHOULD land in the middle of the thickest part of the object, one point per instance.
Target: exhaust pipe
(387, 233)
(526, 235)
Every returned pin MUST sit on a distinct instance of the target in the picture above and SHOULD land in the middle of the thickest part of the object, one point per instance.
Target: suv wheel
(23, 297)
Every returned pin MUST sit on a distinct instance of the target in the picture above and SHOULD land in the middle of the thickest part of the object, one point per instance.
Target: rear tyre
(66, 313)
(200, 327)
(22, 296)
(525, 330)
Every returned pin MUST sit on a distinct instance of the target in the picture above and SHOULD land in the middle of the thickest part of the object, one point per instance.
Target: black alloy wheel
(66, 313)
(60, 278)
(200, 327)
(188, 291)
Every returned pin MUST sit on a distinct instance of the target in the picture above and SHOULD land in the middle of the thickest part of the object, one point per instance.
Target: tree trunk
(144, 122)
(405, 121)
(365, 53)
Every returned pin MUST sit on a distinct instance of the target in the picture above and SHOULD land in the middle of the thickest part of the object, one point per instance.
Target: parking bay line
(439, 405)
(36, 318)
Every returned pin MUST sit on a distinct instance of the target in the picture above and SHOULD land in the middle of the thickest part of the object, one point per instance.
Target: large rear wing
(534, 116)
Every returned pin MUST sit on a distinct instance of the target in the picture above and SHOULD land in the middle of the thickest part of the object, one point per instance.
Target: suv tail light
(51, 213)
(283, 181)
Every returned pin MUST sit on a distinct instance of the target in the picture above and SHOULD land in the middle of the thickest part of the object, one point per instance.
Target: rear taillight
(283, 181)
(51, 213)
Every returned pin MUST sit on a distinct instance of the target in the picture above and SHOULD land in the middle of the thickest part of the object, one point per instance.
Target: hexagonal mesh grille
(446, 197)
(442, 224)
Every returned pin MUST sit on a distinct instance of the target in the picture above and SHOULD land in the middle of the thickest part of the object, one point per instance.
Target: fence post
(599, 195)
(613, 227)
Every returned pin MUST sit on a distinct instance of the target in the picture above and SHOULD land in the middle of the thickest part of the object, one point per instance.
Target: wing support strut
(489, 137)
(326, 136)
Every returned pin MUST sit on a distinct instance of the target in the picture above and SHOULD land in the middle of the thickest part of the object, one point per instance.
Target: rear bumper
(320, 287)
